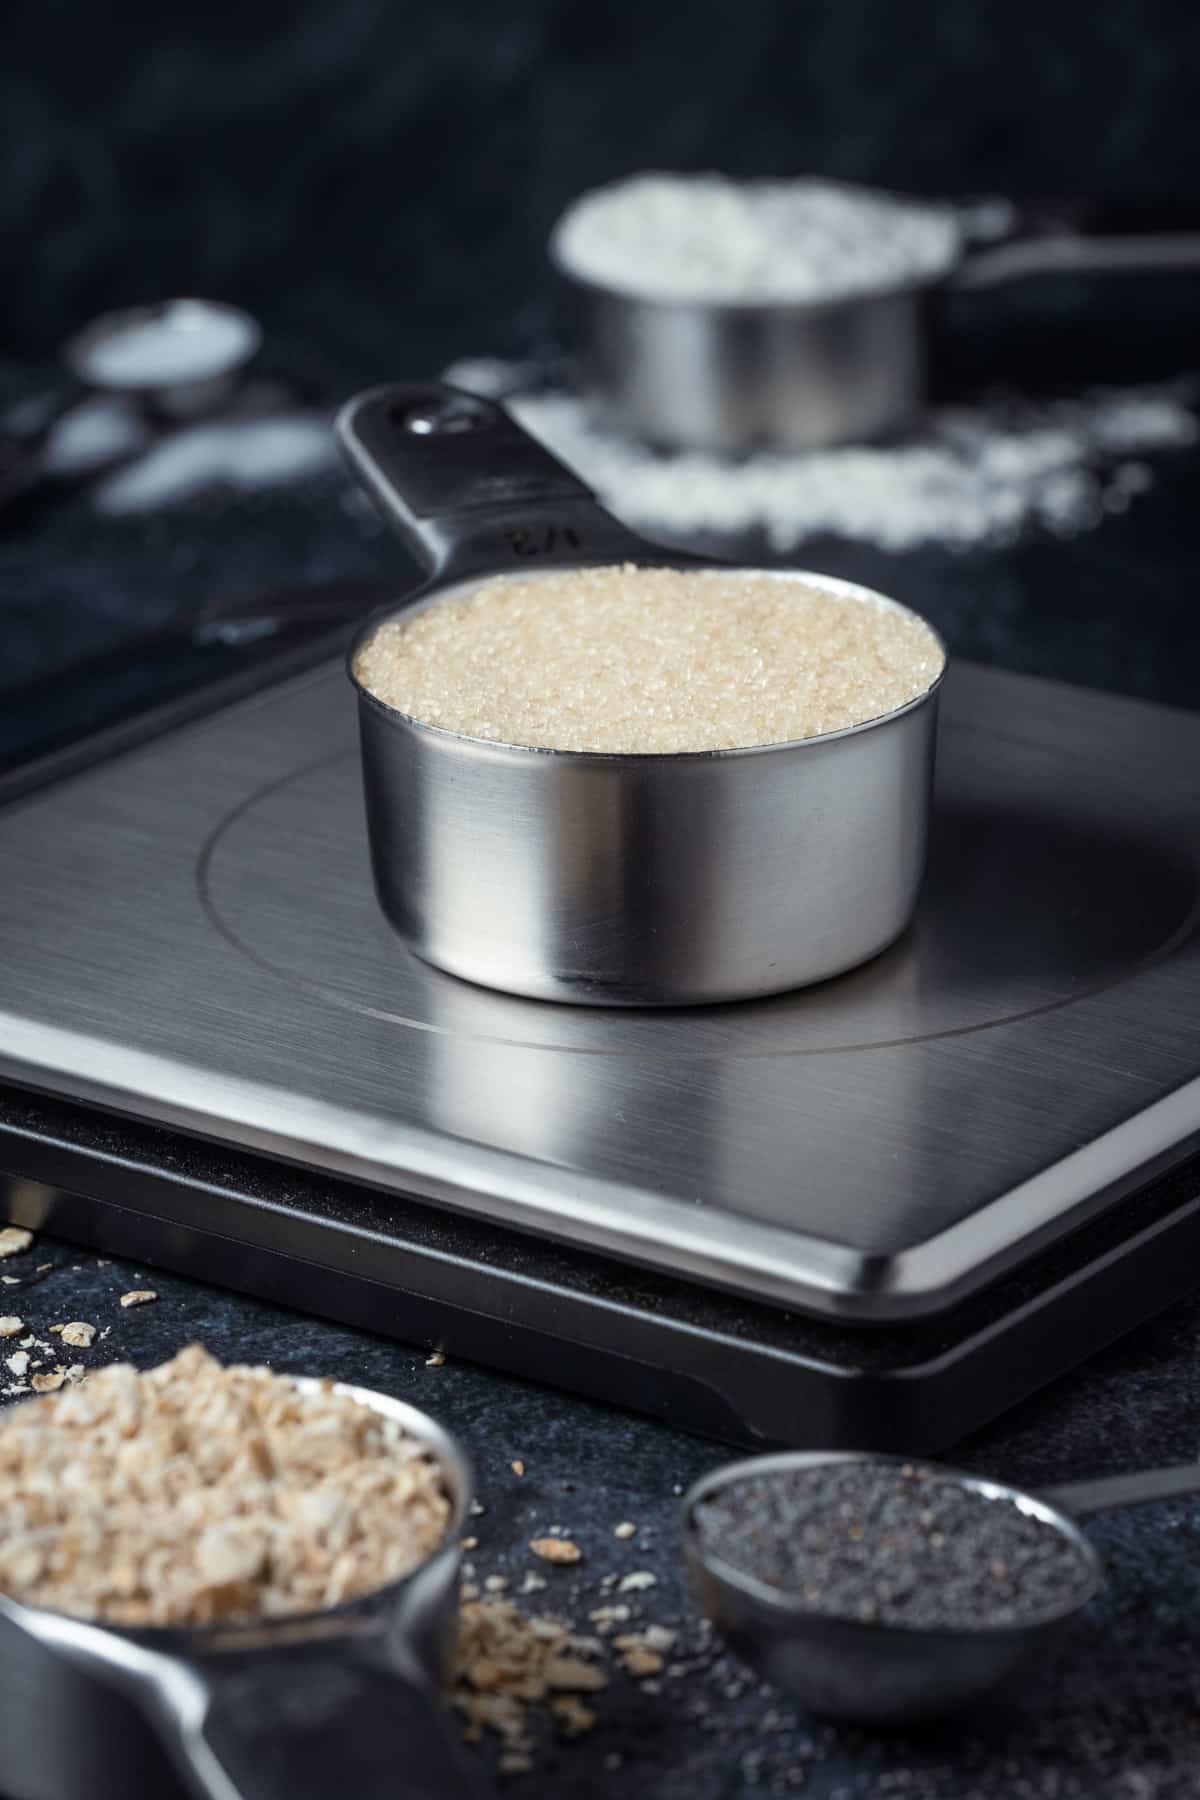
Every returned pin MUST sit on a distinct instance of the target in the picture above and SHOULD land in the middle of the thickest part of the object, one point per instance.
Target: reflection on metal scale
(875, 1211)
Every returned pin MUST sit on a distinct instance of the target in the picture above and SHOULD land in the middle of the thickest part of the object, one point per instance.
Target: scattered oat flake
(605, 1617)
(48, 1384)
(636, 1581)
(533, 1583)
(18, 1362)
(626, 1529)
(14, 1239)
(641, 1651)
(138, 1297)
(518, 1467)
(75, 1373)
(510, 1666)
(78, 1334)
(573, 1716)
(470, 1543)
(10, 1280)
(496, 1584)
(436, 1361)
(11, 1327)
(556, 1550)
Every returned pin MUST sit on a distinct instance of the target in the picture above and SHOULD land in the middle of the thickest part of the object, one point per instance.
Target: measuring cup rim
(776, 308)
(442, 587)
(785, 1605)
(250, 1634)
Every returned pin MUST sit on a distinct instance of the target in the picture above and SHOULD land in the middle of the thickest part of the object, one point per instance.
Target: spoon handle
(1082, 1498)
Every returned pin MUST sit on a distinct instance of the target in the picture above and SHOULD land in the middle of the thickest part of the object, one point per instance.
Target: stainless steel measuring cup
(603, 879)
(308, 1708)
(800, 375)
(881, 1674)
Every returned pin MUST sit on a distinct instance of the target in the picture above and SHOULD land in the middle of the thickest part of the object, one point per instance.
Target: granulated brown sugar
(193, 1494)
(647, 660)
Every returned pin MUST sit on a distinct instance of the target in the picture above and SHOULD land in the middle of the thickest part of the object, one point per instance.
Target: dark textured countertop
(1120, 1717)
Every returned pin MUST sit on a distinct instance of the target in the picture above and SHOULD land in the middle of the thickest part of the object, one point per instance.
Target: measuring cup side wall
(859, 1672)
(634, 880)
(728, 379)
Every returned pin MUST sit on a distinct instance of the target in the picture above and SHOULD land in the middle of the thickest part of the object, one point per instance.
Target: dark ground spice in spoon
(893, 1544)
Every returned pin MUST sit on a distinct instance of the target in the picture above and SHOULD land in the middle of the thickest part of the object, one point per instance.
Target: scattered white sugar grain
(707, 238)
(91, 434)
(649, 660)
(969, 477)
(242, 454)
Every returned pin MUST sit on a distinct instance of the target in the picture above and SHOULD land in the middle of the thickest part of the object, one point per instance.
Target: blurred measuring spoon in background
(156, 365)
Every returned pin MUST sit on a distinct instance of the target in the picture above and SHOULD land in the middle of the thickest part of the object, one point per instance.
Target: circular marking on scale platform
(1044, 885)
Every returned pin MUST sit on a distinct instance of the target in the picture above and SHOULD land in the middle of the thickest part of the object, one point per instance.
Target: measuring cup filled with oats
(229, 1580)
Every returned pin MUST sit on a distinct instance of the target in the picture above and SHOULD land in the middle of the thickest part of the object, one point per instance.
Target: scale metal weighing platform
(876, 1212)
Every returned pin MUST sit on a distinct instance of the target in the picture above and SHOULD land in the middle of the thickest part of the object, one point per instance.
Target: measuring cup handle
(1073, 253)
(467, 489)
(1079, 1499)
(317, 1724)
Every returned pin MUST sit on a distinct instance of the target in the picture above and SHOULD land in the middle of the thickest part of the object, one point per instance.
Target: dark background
(376, 177)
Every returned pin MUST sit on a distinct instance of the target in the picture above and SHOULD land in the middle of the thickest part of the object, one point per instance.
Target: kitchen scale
(874, 1212)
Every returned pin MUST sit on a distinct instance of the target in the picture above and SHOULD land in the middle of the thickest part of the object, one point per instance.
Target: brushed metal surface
(187, 934)
(728, 379)
(649, 880)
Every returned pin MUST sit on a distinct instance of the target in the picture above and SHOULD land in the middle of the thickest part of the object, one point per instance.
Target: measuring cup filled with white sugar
(599, 775)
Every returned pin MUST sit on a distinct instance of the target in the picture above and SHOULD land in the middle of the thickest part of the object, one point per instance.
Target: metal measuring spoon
(886, 1674)
(335, 1703)
(169, 361)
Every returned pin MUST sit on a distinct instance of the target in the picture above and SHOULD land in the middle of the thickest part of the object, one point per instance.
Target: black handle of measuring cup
(320, 1723)
(466, 488)
(1069, 252)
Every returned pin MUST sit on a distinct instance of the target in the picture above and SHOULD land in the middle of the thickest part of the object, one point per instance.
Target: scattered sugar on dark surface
(895, 1544)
